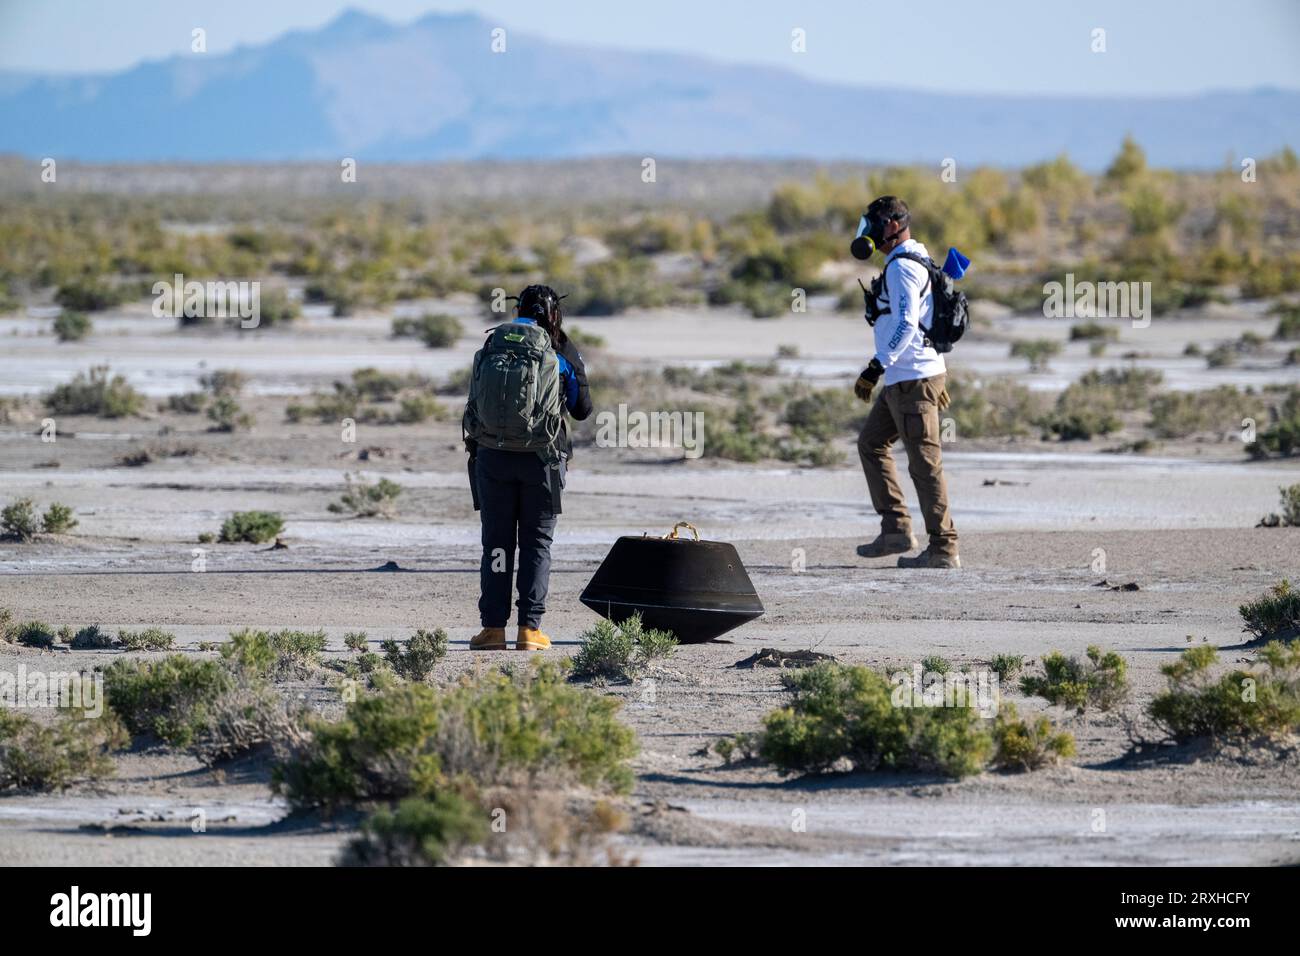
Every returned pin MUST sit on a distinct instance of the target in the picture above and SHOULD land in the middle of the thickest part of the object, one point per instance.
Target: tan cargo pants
(908, 410)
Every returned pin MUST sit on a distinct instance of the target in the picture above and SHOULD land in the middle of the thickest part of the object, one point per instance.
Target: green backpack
(514, 392)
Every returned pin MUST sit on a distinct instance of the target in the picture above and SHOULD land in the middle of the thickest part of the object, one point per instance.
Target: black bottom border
(336, 906)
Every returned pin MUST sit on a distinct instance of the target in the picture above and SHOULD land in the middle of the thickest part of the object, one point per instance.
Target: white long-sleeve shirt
(900, 342)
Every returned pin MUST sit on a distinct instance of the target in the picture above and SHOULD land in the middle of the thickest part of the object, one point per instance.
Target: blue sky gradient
(1007, 46)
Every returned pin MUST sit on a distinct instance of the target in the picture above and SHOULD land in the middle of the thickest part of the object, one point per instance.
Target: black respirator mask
(871, 233)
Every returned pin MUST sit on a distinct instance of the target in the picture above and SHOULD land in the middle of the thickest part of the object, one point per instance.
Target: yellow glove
(862, 387)
(944, 400)
(866, 382)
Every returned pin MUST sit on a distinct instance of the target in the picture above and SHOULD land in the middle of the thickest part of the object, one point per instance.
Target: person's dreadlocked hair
(541, 304)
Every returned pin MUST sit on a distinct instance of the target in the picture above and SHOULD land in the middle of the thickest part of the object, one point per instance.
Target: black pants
(515, 505)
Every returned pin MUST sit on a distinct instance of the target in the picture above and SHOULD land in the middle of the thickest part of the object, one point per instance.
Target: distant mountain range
(433, 90)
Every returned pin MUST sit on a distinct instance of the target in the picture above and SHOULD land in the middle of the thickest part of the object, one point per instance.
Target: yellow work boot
(489, 639)
(531, 639)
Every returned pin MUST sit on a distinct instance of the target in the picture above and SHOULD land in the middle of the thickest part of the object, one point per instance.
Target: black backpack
(951, 310)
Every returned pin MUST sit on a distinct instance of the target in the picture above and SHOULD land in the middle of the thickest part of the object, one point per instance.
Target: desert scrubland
(303, 691)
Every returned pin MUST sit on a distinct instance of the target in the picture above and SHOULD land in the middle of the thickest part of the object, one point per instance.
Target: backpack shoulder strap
(915, 257)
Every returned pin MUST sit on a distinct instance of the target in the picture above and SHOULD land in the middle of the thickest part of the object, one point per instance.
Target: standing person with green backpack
(525, 379)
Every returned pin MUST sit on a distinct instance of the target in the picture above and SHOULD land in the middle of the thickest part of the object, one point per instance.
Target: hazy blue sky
(1024, 46)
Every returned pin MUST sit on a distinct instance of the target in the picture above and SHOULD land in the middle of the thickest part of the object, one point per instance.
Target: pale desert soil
(1179, 523)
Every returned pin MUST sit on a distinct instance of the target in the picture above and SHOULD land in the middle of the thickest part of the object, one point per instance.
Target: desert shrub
(1038, 352)
(57, 519)
(8, 629)
(378, 386)
(283, 654)
(1129, 388)
(418, 658)
(1290, 496)
(620, 651)
(1276, 613)
(419, 832)
(247, 716)
(735, 378)
(1220, 409)
(1151, 212)
(743, 746)
(814, 452)
(1288, 324)
(457, 382)
(1221, 356)
(371, 385)
(824, 413)
(437, 331)
(413, 409)
(993, 409)
(326, 409)
(274, 308)
(226, 414)
(1093, 332)
(762, 300)
(1282, 437)
(764, 261)
(410, 740)
(35, 756)
(356, 641)
(364, 500)
(1129, 164)
(1226, 354)
(1099, 680)
(91, 295)
(1028, 744)
(368, 668)
(71, 326)
(1240, 704)
(1007, 666)
(737, 436)
(253, 526)
(146, 639)
(584, 339)
(189, 403)
(91, 638)
(18, 520)
(934, 664)
(1081, 424)
(547, 827)
(95, 393)
(847, 714)
(223, 381)
(1091, 405)
(34, 634)
(170, 698)
(137, 458)
(1290, 504)
(1274, 274)
(613, 286)
(344, 296)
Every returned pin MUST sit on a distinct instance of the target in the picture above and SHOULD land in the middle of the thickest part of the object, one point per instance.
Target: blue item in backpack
(956, 264)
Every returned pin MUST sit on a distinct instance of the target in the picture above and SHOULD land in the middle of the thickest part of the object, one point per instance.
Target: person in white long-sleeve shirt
(909, 403)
